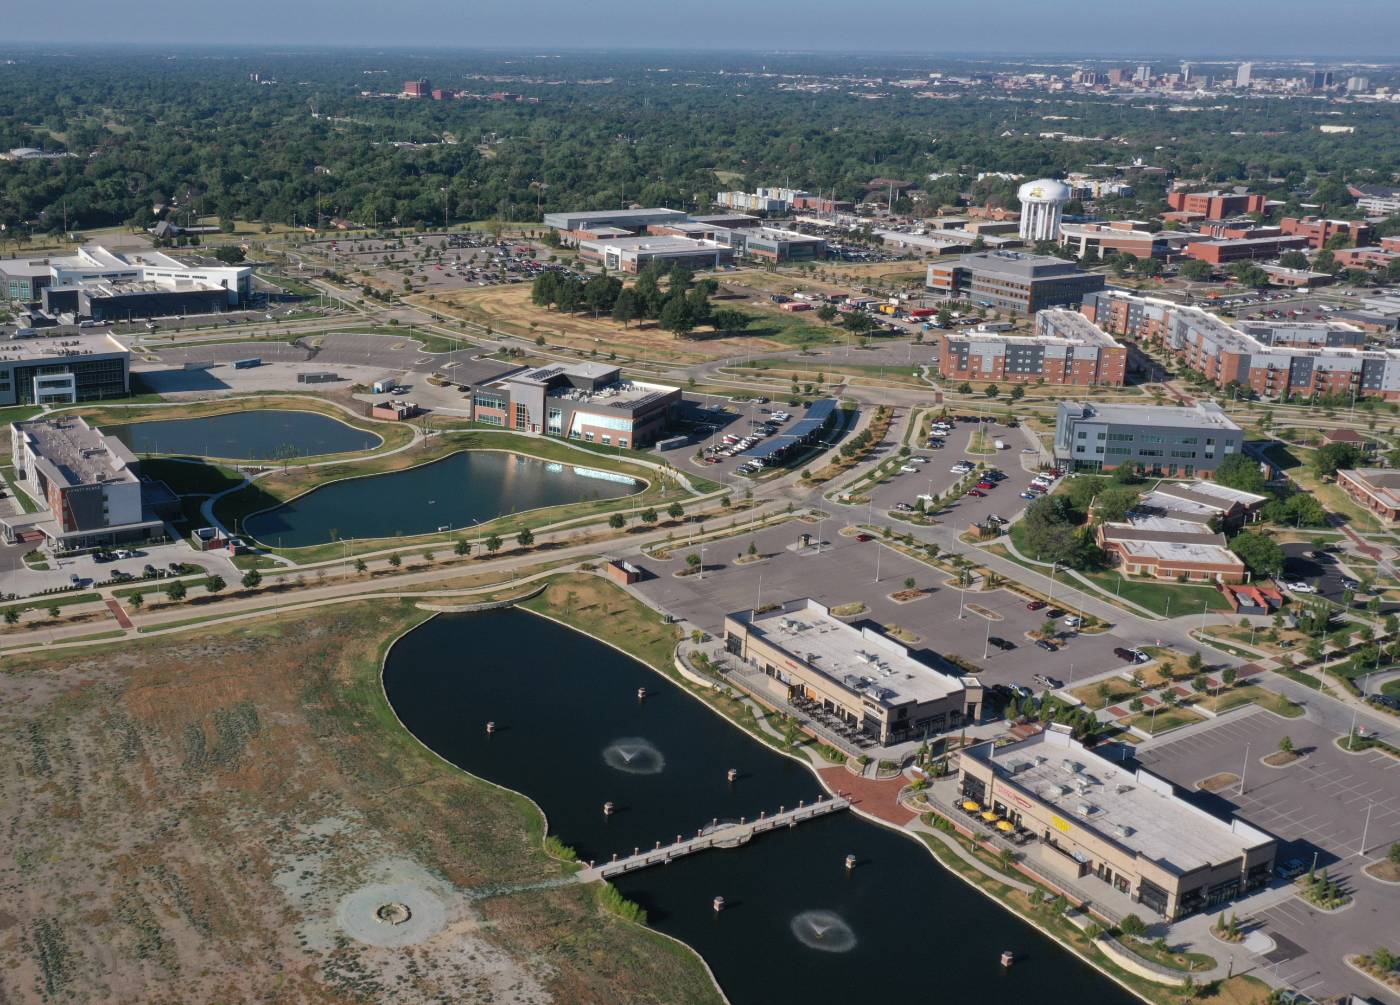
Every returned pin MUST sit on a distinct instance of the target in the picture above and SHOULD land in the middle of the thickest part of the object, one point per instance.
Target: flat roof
(864, 662)
(664, 244)
(75, 453)
(49, 347)
(1209, 494)
(1135, 810)
(1016, 263)
(1382, 482)
(1203, 415)
(1179, 551)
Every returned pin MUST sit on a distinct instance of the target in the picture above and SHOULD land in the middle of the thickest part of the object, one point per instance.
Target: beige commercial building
(1127, 829)
(864, 678)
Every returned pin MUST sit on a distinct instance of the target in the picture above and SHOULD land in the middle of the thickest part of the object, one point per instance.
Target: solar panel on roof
(772, 447)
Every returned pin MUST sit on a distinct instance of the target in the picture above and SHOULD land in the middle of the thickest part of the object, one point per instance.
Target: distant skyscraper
(1355, 85)
(1186, 73)
(1244, 76)
(1143, 74)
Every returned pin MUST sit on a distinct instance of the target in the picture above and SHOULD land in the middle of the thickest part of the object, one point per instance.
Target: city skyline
(1279, 29)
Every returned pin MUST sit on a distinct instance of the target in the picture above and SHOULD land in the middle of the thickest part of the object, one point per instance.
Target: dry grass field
(204, 818)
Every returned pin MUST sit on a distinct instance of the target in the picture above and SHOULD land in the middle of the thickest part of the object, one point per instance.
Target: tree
(617, 521)
(1227, 676)
(1285, 745)
(462, 547)
(1133, 925)
(136, 600)
(675, 511)
(1017, 392)
(1240, 472)
(1293, 260)
(252, 579)
(625, 307)
(215, 584)
(648, 515)
(395, 560)
(176, 591)
(12, 615)
(1195, 270)
(676, 317)
(1328, 460)
(1262, 554)
(55, 612)
(360, 566)
(991, 390)
(230, 253)
(693, 560)
(525, 538)
(493, 543)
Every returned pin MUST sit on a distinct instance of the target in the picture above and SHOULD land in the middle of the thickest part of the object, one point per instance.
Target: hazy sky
(1325, 28)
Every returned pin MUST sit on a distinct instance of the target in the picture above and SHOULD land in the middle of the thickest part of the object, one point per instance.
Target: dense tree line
(192, 127)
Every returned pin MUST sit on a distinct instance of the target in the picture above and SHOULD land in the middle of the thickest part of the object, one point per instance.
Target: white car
(1299, 587)
(908, 469)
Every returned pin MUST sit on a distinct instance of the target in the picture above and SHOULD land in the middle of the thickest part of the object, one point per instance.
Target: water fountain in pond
(824, 931)
(635, 756)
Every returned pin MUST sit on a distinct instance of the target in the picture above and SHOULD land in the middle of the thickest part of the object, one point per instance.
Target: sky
(1335, 29)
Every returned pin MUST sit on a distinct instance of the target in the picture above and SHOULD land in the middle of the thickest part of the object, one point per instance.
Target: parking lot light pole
(987, 642)
(1365, 829)
(1243, 768)
(1054, 567)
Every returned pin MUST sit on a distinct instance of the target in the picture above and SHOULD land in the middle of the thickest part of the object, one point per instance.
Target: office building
(1319, 232)
(1065, 349)
(578, 401)
(87, 485)
(769, 244)
(862, 678)
(1216, 205)
(122, 285)
(609, 222)
(633, 254)
(1376, 200)
(1120, 237)
(1129, 830)
(1244, 75)
(1042, 205)
(63, 369)
(416, 89)
(1243, 249)
(1272, 359)
(1013, 281)
(1162, 441)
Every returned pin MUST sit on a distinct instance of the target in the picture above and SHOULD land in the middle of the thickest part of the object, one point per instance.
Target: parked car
(1126, 655)
(1001, 643)
(1029, 495)
(1291, 869)
(984, 484)
(865, 537)
(1035, 605)
(1047, 645)
(977, 493)
(1055, 612)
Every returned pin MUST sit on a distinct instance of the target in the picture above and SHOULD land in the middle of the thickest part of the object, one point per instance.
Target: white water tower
(1042, 203)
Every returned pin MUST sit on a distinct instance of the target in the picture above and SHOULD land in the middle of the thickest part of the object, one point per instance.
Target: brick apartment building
(1065, 349)
(1244, 249)
(1275, 360)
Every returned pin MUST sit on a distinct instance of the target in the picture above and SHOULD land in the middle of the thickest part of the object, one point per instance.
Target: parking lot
(437, 263)
(934, 476)
(1318, 803)
(16, 578)
(844, 571)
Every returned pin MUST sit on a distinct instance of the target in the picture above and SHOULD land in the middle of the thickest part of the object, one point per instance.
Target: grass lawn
(1250, 694)
(1118, 690)
(53, 600)
(7, 474)
(191, 477)
(1167, 718)
(1183, 961)
(1166, 599)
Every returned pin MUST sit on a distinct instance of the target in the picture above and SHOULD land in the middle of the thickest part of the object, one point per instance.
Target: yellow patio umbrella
(989, 815)
(1005, 825)
(970, 806)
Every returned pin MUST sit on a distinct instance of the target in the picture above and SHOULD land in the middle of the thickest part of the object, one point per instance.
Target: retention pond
(259, 434)
(798, 926)
(456, 492)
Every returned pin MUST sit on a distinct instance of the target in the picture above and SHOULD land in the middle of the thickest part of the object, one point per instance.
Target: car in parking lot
(1298, 586)
(1291, 869)
(1047, 645)
(1029, 495)
(1384, 700)
(1045, 681)
(977, 493)
(1021, 691)
(1055, 612)
(1035, 605)
(1126, 655)
(1000, 643)
(865, 537)
(984, 484)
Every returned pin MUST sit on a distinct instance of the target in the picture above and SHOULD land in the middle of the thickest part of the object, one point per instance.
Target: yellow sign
(1060, 825)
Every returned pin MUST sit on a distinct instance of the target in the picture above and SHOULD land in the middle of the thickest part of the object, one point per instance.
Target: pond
(798, 927)
(259, 434)
(456, 492)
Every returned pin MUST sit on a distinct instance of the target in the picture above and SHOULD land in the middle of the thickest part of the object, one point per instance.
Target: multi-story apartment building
(1275, 360)
(1065, 349)
(1319, 231)
(1013, 281)
(1164, 442)
(1244, 249)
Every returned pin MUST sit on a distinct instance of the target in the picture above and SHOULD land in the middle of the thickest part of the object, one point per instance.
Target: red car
(984, 484)
(977, 492)
(864, 537)
(1035, 605)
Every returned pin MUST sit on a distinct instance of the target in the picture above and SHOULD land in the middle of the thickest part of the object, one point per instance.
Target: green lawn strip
(43, 603)
(191, 477)
(1166, 599)
(1299, 677)
(1167, 718)
(1183, 961)
(25, 503)
(1117, 689)
(1246, 695)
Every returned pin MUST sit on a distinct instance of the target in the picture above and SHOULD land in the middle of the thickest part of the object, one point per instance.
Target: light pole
(879, 550)
(1243, 768)
(1054, 567)
(1365, 829)
(987, 642)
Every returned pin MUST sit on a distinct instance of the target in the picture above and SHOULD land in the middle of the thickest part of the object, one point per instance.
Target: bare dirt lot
(218, 816)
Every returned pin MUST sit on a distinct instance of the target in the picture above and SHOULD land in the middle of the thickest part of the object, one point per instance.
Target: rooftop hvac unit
(1122, 788)
(1123, 830)
(1084, 809)
(1073, 767)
